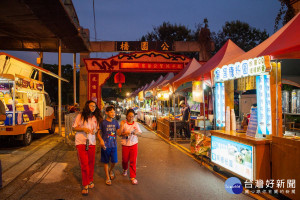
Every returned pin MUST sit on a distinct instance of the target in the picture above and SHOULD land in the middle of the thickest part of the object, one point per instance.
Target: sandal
(108, 182)
(91, 185)
(112, 175)
(85, 191)
(124, 173)
(134, 181)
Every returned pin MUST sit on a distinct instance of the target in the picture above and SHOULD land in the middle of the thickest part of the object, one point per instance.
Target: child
(86, 125)
(109, 129)
(129, 130)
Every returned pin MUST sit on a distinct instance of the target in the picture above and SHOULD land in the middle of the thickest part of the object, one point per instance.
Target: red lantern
(119, 78)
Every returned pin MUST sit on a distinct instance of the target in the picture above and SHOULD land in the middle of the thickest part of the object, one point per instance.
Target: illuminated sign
(234, 156)
(220, 104)
(250, 67)
(143, 46)
(263, 105)
(197, 91)
(151, 66)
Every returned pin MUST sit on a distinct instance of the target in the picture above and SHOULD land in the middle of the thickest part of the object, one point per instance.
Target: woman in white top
(129, 131)
(86, 126)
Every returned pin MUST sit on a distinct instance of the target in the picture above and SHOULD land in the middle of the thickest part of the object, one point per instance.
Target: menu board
(252, 126)
(263, 104)
(220, 104)
(234, 156)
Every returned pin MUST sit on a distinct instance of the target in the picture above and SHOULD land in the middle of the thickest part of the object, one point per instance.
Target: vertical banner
(198, 91)
(268, 104)
(93, 87)
(261, 110)
(264, 104)
(220, 104)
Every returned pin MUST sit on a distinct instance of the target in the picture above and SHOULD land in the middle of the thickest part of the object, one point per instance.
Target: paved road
(163, 172)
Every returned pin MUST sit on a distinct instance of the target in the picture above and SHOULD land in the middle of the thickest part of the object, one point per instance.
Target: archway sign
(99, 70)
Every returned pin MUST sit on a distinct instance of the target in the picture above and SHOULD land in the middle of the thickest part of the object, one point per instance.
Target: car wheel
(27, 137)
(52, 129)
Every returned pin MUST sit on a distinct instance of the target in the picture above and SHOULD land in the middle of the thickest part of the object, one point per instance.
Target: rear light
(9, 129)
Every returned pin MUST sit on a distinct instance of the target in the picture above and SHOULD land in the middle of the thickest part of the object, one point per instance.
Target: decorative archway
(99, 70)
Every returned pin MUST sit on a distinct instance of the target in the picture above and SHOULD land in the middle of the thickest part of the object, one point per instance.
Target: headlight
(118, 109)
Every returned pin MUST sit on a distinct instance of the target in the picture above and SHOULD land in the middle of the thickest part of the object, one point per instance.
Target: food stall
(26, 104)
(244, 152)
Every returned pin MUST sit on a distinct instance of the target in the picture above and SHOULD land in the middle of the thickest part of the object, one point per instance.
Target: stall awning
(284, 44)
(13, 65)
(156, 83)
(168, 77)
(177, 80)
(228, 52)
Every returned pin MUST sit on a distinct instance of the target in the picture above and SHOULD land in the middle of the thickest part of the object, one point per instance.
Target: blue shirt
(109, 132)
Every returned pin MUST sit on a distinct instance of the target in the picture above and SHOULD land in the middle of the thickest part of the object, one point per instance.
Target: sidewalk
(163, 172)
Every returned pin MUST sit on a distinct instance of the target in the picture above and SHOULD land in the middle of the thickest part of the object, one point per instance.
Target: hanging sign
(220, 104)
(198, 91)
(250, 67)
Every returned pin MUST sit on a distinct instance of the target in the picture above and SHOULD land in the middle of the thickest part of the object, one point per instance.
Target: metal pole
(203, 105)
(13, 103)
(59, 87)
(74, 76)
(276, 99)
(175, 135)
(41, 65)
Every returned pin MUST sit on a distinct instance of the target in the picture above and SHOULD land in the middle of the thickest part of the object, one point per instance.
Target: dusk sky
(128, 20)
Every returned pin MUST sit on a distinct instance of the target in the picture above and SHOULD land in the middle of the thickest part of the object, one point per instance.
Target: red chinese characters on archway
(151, 66)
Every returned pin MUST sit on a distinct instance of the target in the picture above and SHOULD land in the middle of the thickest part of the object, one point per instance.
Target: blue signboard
(263, 104)
(234, 156)
(220, 105)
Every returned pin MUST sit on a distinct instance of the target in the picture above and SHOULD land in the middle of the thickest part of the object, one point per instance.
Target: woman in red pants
(129, 131)
(86, 126)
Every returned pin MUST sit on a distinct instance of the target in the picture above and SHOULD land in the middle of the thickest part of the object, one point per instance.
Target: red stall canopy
(228, 52)
(177, 80)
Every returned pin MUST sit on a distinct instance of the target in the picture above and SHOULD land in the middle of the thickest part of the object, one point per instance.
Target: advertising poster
(220, 104)
(268, 105)
(234, 156)
(261, 110)
(252, 126)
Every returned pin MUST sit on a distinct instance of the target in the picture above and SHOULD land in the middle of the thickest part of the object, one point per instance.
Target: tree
(168, 32)
(51, 84)
(287, 11)
(241, 33)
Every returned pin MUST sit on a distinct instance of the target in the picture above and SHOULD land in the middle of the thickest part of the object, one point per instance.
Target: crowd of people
(89, 125)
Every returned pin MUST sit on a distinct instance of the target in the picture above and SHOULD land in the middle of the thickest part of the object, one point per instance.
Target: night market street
(163, 172)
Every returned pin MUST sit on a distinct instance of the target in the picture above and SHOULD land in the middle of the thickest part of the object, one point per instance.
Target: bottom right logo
(233, 185)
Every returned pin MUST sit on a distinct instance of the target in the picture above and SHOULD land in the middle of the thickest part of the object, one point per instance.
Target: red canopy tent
(228, 52)
(168, 77)
(284, 44)
(177, 80)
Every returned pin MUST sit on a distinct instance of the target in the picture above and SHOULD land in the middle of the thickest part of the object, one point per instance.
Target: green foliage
(168, 32)
(51, 83)
(287, 11)
(241, 33)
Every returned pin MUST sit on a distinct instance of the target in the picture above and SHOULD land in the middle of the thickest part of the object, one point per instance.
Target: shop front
(242, 146)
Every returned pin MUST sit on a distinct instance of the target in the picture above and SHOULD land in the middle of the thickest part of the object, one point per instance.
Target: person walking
(129, 131)
(109, 128)
(86, 126)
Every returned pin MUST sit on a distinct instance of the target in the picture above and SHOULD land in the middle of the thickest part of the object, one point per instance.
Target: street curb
(9, 175)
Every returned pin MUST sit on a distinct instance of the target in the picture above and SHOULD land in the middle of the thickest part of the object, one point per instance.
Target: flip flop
(108, 182)
(134, 181)
(91, 185)
(85, 191)
(112, 175)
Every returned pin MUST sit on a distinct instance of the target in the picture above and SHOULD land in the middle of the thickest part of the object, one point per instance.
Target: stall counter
(261, 152)
(286, 162)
